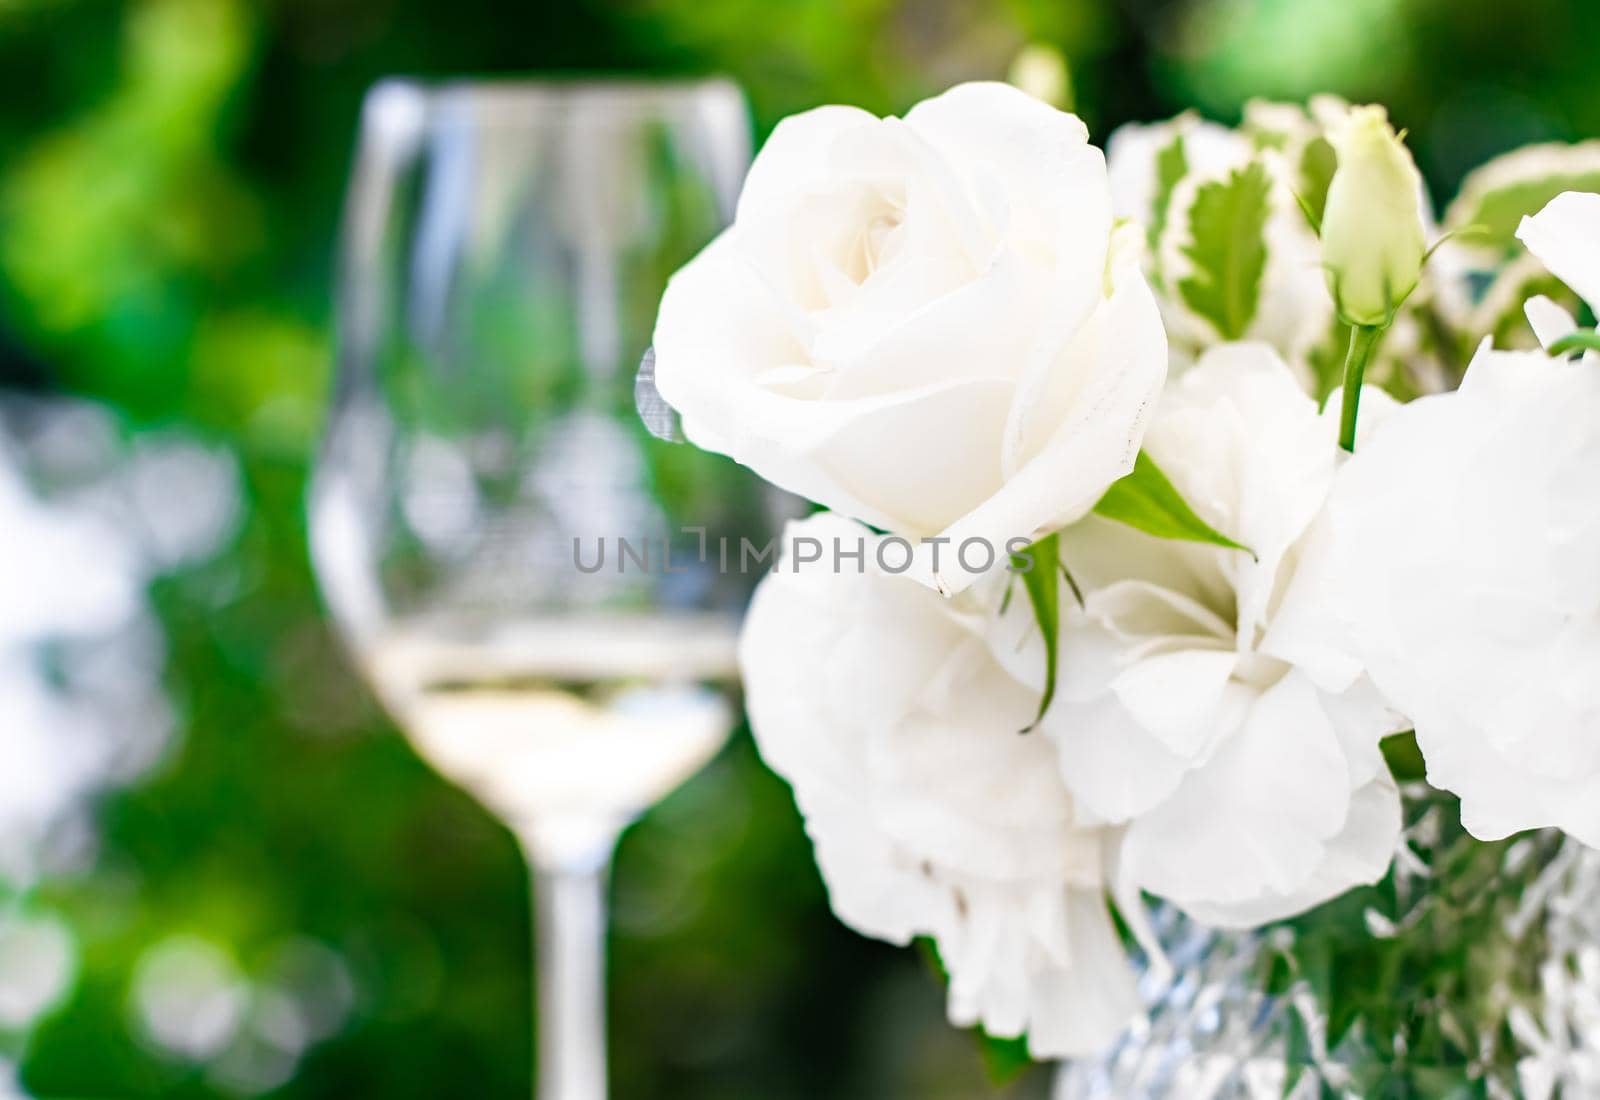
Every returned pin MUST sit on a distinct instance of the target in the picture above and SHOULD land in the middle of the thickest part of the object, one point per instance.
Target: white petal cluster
(1247, 792)
(881, 703)
(925, 323)
(1183, 755)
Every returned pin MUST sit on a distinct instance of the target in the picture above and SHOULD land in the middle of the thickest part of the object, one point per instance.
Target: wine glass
(505, 247)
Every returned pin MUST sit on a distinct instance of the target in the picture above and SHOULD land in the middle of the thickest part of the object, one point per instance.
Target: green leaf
(1172, 164)
(1317, 162)
(1404, 758)
(1044, 593)
(1004, 1060)
(1148, 501)
(1227, 246)
(1297, 1055)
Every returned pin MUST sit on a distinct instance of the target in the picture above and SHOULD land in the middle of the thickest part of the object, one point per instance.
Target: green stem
(1576, 341)
(1363, 341)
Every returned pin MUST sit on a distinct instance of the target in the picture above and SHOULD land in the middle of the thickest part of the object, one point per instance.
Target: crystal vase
(1471, 970)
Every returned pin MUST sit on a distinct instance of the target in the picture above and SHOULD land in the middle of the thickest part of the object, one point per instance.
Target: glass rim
(512, 100)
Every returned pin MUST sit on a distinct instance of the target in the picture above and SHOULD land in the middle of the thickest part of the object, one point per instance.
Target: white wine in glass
(563, 728)
(505, 248)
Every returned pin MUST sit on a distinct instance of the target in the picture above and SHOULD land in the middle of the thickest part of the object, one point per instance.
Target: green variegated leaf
(1496, 197)
(1172, 164)
(1500, 212)
(1226, 244)
(1148, 501)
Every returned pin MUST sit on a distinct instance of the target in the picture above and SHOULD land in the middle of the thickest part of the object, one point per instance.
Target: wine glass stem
(569, 951)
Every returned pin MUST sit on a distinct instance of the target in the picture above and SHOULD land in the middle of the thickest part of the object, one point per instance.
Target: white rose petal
(1271, 824)
(922, 323)
(1564, 235)
(881, 703)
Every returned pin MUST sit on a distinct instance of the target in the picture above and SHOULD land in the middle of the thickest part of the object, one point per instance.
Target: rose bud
(1372, 232)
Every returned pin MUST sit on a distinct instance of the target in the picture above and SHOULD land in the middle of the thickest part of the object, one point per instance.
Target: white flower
(1372, 227)
(1464, 541)
(882, 705)
(922, 323)
(1248, 792)
(1565, 237)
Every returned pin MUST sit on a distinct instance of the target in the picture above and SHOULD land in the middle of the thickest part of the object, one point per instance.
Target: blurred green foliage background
(171, 174)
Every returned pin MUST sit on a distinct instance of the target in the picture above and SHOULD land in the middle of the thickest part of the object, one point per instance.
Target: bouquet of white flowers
(1207, 534)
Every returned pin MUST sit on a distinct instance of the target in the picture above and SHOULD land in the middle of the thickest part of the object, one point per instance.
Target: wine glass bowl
(484, 470)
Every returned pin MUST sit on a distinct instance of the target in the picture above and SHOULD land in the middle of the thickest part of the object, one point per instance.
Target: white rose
(1565, 237)
(922, 323)
(881, 704)
(1248, 793)
(1463, 540)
